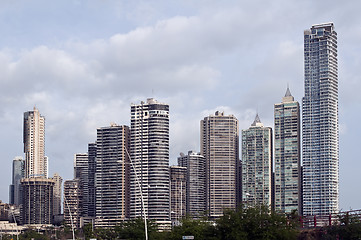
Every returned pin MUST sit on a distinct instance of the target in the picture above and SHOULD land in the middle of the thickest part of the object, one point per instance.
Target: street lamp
(141, 194)
(17, 230)
(71, 218)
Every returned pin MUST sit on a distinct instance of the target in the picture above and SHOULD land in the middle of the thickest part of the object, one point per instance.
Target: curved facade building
(149, 170)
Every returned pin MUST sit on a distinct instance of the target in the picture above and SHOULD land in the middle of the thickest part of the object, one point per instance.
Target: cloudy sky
(82, 63)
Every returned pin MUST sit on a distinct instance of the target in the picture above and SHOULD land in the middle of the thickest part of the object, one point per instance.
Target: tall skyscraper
(90, 193)
(34, 145)
(72, 203)
(15, 187)
(111, 176)
(257, 164)
(219, 146)
(81, 173)
(320, 127)
(149, 178)
(196, 182)
(37, 189)
(287, 155)
(57, 193)
(177, 193)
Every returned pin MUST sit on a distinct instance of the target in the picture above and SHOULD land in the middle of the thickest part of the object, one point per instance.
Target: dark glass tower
(111, 176)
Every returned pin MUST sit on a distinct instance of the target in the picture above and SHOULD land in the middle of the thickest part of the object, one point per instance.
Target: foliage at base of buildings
(241, 224)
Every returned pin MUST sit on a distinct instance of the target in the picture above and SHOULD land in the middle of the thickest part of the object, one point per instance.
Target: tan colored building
(177, 193)
(219, 146)
(34, 145)
(57, 193)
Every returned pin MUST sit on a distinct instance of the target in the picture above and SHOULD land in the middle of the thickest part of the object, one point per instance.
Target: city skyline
(85, 75)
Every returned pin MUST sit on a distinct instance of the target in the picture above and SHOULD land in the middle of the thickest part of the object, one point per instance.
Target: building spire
(257, 121)
(288, 92)
(288, 96)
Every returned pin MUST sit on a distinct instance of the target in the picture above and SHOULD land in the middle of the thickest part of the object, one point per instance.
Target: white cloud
(198, 57)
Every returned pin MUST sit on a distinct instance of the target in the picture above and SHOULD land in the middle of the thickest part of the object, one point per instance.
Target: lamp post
(17, 231)
(71, 218)
(141, 194)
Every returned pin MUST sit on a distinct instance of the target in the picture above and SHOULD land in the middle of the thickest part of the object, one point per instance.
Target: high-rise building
(149, 178)
(17, 175)
(287, 183)
(37, 189)
(195, 164)
(111, 177)
(257, 164)
(320, 128)
(34, 145)
(57, 193)
(177, 193)
(37, 194)
(80, 165)
(89, 193)
(81, 173)
(219, 146)
(72, 203)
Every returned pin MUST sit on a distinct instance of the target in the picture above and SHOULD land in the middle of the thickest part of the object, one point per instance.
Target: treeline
(241, 224)
(244, 223)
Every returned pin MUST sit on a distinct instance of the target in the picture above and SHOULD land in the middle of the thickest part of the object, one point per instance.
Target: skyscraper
(287, 155)
(90, 192)
(257, 164)
(320, 128)
(219, 146)
(81, 173)
(37, 189)
(38, 195)
(72, 203)
(149, 178)
(177, 193)
(34, 145)
(111, 176)
(196, 182)
(57, 193)
(15, 187)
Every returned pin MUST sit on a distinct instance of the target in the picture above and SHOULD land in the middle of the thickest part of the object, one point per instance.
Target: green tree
(31, 234)
(88, 231)
(348, 227)
(134, 230)
(199, 228)
(255, 223)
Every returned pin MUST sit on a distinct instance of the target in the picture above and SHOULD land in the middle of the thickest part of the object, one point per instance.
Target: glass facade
(257, 164)
(320, 149)
(287, 155)
(195, 164)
